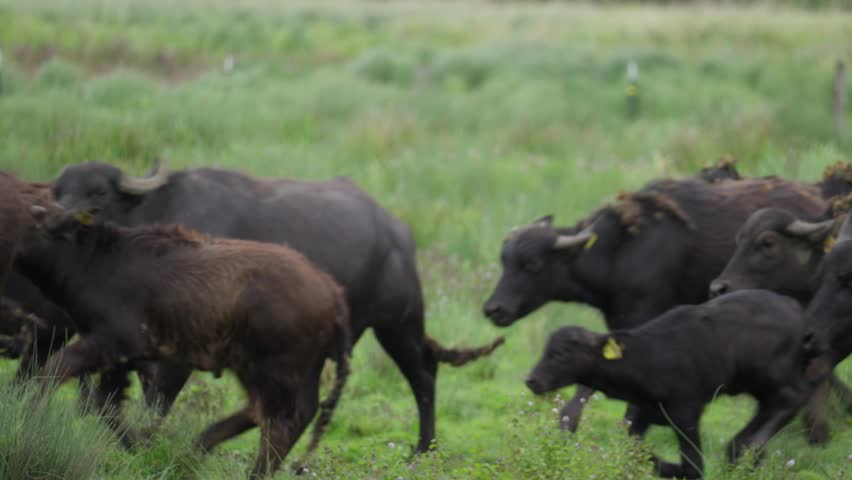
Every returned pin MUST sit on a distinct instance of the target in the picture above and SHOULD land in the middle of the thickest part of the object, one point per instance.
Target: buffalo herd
(709, 284)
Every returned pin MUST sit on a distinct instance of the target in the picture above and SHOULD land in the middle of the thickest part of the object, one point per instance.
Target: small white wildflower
(778, 453)
(555, 410)
(849, 458)
(529, 403)
(391, 445)
(790, 463)
(228, 64)
(628, 422)
(566, 419)
(583, 400)
(595, 396)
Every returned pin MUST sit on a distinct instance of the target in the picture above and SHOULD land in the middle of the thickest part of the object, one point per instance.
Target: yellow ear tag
(84, 217)
(591, 241)
(829, 243)
(612, 350)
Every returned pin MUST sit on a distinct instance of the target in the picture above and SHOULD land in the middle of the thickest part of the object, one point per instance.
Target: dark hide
(334, 223)
(829, 314)
(671, 367)
(164, 293)
(779, 251)
(638, 257)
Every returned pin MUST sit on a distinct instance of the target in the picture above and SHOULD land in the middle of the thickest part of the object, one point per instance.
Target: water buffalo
(671, 367)
(33, 324)
(162, 292)
(334, 223)
(638, 257)
(829, 314)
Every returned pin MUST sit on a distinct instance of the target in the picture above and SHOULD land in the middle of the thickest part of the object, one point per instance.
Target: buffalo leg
(407, 347)
(639, 424)
(571, 413)
(843, 391)
(224, 429)
(161, 383)
(739, 443)
(691, 463)
(783, 409)
(72, 361)
(816, 425)
(279, 430)
(108, 397)
(306, 410)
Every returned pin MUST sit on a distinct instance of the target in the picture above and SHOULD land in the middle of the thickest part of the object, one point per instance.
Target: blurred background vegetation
(464, 119)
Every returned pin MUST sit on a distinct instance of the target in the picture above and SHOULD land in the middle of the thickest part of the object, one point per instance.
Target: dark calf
(164, 293)
(673, 366)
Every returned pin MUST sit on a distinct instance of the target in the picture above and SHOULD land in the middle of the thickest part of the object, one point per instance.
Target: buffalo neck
(70, 265)
(625, 378)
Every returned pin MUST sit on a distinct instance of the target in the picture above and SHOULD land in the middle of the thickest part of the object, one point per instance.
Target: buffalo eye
(98, 192)
(844, 279)
(766, 244)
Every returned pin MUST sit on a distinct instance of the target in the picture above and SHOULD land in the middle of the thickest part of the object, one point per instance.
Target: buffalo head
(570, 352)
(775, 251)
(540, 264)
(98, 188)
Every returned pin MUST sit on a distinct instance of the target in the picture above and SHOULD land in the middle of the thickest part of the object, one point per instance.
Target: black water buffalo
(671, 367)
(638, 257)
(334, 223)
(829, 314)
(779, 251)
(162, 292)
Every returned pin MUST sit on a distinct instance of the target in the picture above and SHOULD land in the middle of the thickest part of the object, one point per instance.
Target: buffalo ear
(544, 222)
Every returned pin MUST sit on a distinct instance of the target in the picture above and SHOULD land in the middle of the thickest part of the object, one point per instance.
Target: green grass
(463, 119)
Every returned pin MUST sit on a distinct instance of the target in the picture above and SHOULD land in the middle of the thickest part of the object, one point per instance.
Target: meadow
(464, 119)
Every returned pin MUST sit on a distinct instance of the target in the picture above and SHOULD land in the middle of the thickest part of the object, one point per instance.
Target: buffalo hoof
(818, 434)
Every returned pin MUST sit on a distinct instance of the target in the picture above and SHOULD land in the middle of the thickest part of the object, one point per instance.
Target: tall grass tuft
(46, 438)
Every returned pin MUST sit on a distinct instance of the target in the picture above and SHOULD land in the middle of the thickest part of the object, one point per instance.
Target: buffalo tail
(460, 356)
(342, 356)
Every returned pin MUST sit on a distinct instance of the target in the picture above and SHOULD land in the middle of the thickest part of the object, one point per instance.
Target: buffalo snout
(535, 385)
(500, 315)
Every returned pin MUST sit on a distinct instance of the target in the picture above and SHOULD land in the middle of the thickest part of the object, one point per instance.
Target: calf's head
(829, 314)
(775, 251)
(541, 264)
(570, 352)
(104, 189)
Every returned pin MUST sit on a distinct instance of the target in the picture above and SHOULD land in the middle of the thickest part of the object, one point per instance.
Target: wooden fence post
(632, 89)
(840, 98)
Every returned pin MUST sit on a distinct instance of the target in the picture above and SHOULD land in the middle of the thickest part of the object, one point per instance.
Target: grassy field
(464, 119)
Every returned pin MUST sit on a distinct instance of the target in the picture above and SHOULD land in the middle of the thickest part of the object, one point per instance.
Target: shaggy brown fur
(261, 310)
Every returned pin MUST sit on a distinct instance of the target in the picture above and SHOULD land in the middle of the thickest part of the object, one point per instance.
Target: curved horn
(801, 228)
(144, 185)
(568, 242)
(845, 230)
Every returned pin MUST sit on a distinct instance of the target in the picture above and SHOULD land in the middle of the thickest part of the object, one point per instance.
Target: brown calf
(166, 293)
